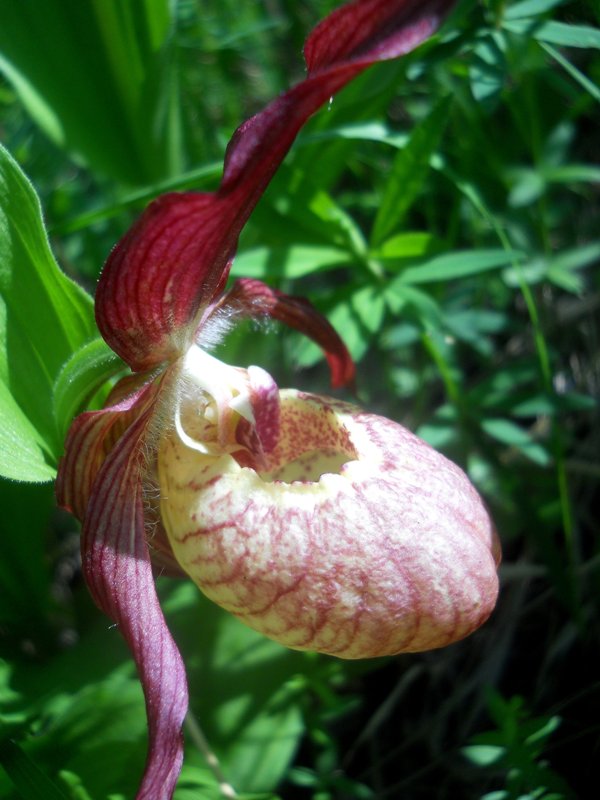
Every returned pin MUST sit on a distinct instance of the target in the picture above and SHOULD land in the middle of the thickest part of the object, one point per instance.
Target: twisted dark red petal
(91, 437)
(172, 263)
(254, 299)
(117, 569)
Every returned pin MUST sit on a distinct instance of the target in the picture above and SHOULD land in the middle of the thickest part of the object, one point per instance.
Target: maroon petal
(172, 263)
(91, 437)
(342, 46)
(253, 299)
(118, 572)
(175, 258)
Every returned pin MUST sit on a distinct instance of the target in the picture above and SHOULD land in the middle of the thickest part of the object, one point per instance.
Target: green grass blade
(28, 778)
(551, 32)
(95, 77)
(409, 172)
(592, 88)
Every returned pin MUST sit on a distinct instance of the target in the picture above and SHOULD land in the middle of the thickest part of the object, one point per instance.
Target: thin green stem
(452, 389)
(197, 736)
(543, 357)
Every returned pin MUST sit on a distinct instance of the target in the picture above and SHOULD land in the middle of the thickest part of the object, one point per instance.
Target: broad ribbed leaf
(25, 454)
(44, 318)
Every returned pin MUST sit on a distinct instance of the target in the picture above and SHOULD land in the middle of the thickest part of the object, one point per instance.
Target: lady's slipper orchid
(322, 526)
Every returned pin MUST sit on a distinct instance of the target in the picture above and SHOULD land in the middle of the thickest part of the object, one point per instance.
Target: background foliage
(443, 212)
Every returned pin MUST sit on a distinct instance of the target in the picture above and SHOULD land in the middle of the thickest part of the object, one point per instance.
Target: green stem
(197, 736)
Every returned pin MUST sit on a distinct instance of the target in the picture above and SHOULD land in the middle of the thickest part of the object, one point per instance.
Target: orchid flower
(323, 526)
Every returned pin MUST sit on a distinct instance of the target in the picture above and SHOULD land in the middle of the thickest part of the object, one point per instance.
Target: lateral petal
(91, 437)
(252, 298)
(118, 571)
(170, 266)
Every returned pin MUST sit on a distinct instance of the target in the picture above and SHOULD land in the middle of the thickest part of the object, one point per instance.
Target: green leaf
(531, 272)
(543, 728)
(77, 790)
(572, 173)
(83, 373)
(508, 433)
(556, 33)
(297, 198)
(292, 262)
(412, 244)
(552, 405)
(24, 453)
(562, 269)
(484, 755)
(409, 172)
(367, 131)
(399, 295)
(98, 733)
(528, 186)
(369, 304)
(44, 318)
(592, 88)
(488, 69)
(197, 781)
(531, 8)
(96, 78)
(458, 265)
(472, 325)
(442, 430)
